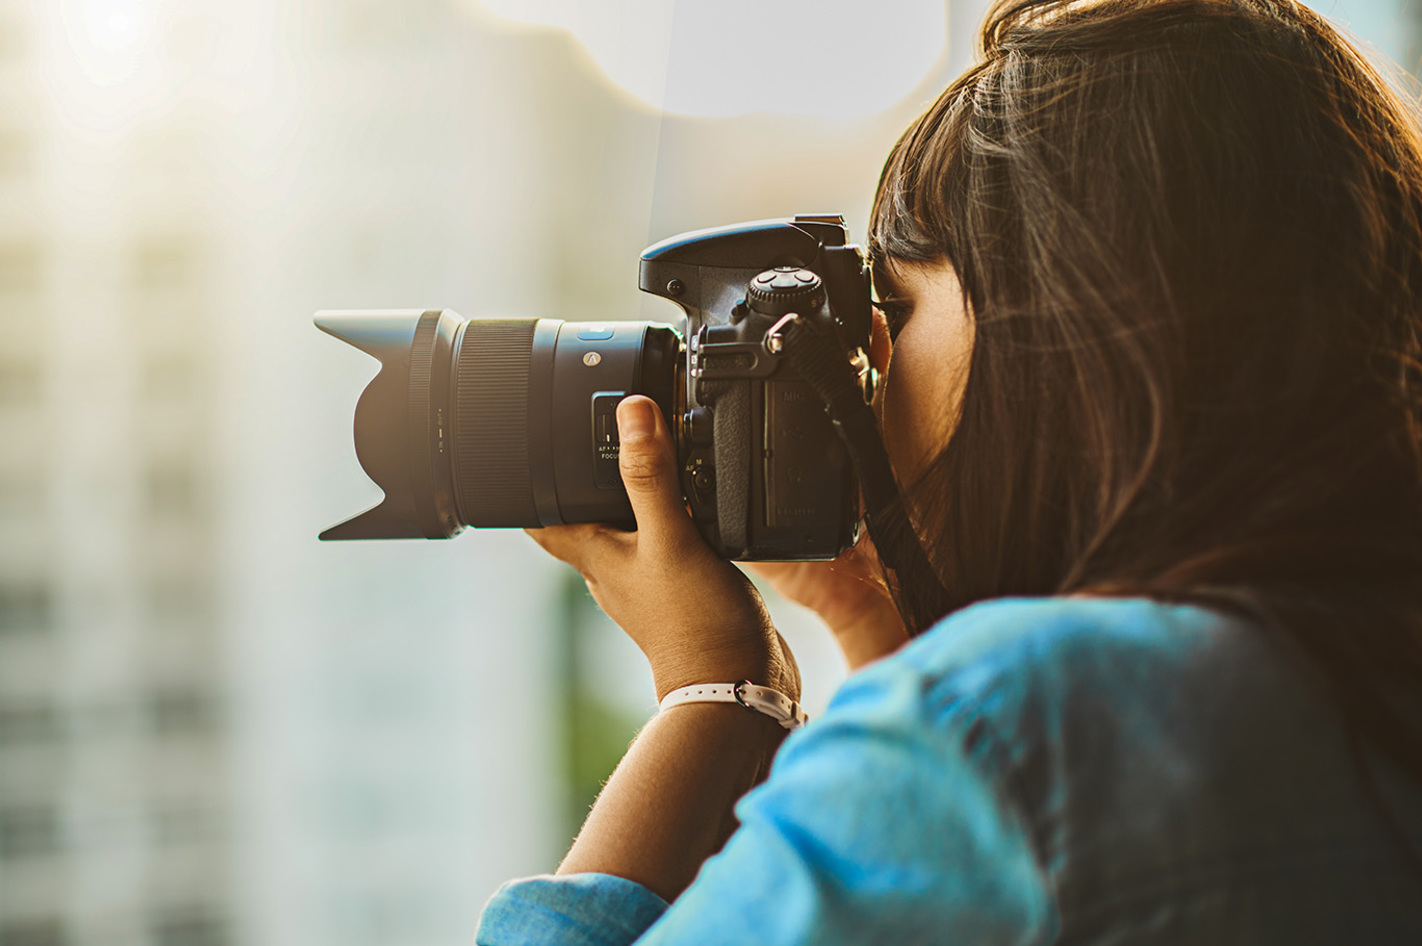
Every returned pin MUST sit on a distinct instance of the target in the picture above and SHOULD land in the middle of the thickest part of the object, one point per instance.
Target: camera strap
(833, 379)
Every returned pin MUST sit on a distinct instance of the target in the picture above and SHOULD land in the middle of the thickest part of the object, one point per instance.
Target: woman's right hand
(848, 595)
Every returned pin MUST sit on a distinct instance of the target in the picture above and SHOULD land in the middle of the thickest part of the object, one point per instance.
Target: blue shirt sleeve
(574, 909)
(881, 822)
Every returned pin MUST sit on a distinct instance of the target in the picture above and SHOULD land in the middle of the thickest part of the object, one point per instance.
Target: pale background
(213, 729)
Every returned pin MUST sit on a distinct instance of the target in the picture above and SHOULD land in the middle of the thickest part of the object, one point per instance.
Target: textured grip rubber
(491, 469)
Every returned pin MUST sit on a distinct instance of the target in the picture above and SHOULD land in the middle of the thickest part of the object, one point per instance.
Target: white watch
(772, 703)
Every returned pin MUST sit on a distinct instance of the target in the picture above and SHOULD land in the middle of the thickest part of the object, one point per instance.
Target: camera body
(763, 471)
(511, 422)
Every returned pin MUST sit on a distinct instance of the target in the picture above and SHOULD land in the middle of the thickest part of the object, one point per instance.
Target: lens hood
(396, 431)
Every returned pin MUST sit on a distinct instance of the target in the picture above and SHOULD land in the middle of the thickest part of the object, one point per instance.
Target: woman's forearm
(669, 805)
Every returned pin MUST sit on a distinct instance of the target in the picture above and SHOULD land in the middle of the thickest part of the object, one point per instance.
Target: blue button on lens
(594, 333)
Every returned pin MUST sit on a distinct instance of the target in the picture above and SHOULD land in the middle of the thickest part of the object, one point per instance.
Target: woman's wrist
(670, 804)
(762, 665)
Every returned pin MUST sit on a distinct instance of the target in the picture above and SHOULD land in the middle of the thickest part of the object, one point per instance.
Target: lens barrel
(496, 422)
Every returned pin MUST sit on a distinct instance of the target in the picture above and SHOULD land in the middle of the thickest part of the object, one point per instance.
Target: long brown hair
(1190, 233)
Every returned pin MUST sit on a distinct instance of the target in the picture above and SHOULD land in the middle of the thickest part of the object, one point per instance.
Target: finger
(647, 462)
(575, 544)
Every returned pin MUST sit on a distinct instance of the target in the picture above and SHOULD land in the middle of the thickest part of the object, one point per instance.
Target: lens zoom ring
(491, 436)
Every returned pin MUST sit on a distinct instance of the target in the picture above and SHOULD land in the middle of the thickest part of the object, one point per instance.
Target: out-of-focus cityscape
(213, 729)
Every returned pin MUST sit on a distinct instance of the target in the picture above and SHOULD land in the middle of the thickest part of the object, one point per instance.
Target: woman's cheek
(908, 431)
(922, 397)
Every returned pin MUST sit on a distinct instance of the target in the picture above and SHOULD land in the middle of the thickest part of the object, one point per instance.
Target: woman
(1153, 276)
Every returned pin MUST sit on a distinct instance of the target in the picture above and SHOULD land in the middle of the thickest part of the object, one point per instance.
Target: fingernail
(635, 419)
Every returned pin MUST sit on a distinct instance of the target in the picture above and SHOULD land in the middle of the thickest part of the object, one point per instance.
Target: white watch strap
(772, 703)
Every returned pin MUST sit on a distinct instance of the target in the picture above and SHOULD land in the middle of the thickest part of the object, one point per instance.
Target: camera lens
(496, 422)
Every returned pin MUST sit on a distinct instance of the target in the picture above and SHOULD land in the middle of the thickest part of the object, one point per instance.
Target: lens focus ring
(491, 467)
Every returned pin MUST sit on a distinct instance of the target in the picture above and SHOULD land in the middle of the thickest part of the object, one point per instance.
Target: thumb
(647, 462)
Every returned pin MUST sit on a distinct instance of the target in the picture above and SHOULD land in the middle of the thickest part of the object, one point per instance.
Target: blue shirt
(1074, 769)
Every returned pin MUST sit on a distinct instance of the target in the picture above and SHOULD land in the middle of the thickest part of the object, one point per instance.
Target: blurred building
(115, 802)
(213, 730)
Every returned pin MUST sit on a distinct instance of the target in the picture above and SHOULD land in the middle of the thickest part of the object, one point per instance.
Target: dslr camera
(511, 422)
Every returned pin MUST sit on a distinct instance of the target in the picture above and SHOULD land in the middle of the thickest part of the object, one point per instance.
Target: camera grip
(734, 434)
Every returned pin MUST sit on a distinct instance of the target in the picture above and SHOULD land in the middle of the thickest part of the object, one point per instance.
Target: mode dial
(785, 289)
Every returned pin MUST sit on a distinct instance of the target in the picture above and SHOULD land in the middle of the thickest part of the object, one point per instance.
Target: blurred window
(174, 489)
(28, 724)
(21, 263)
(14, 36)
(28, 831)
(16, 155)
(169, 377)
(168, 263)
(178, 599)
(183, 710)
(25, 607)
(194, 927)
(178, 153)
(21, 380)
(21, 491)
(183, 822)
(46, 932)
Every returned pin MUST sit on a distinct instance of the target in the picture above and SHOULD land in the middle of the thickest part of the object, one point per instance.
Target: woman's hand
(849, 596)
(670, 803)
(695, 616)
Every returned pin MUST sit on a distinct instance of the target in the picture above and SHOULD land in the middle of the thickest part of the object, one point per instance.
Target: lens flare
(117, 26)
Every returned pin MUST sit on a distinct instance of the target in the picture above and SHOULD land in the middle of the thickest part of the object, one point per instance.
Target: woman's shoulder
(1150, 753)
(1076, 632)
(1118, 719)
(1008, 659)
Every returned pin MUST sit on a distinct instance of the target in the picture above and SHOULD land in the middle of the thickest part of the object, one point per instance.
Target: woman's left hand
(696, 617)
